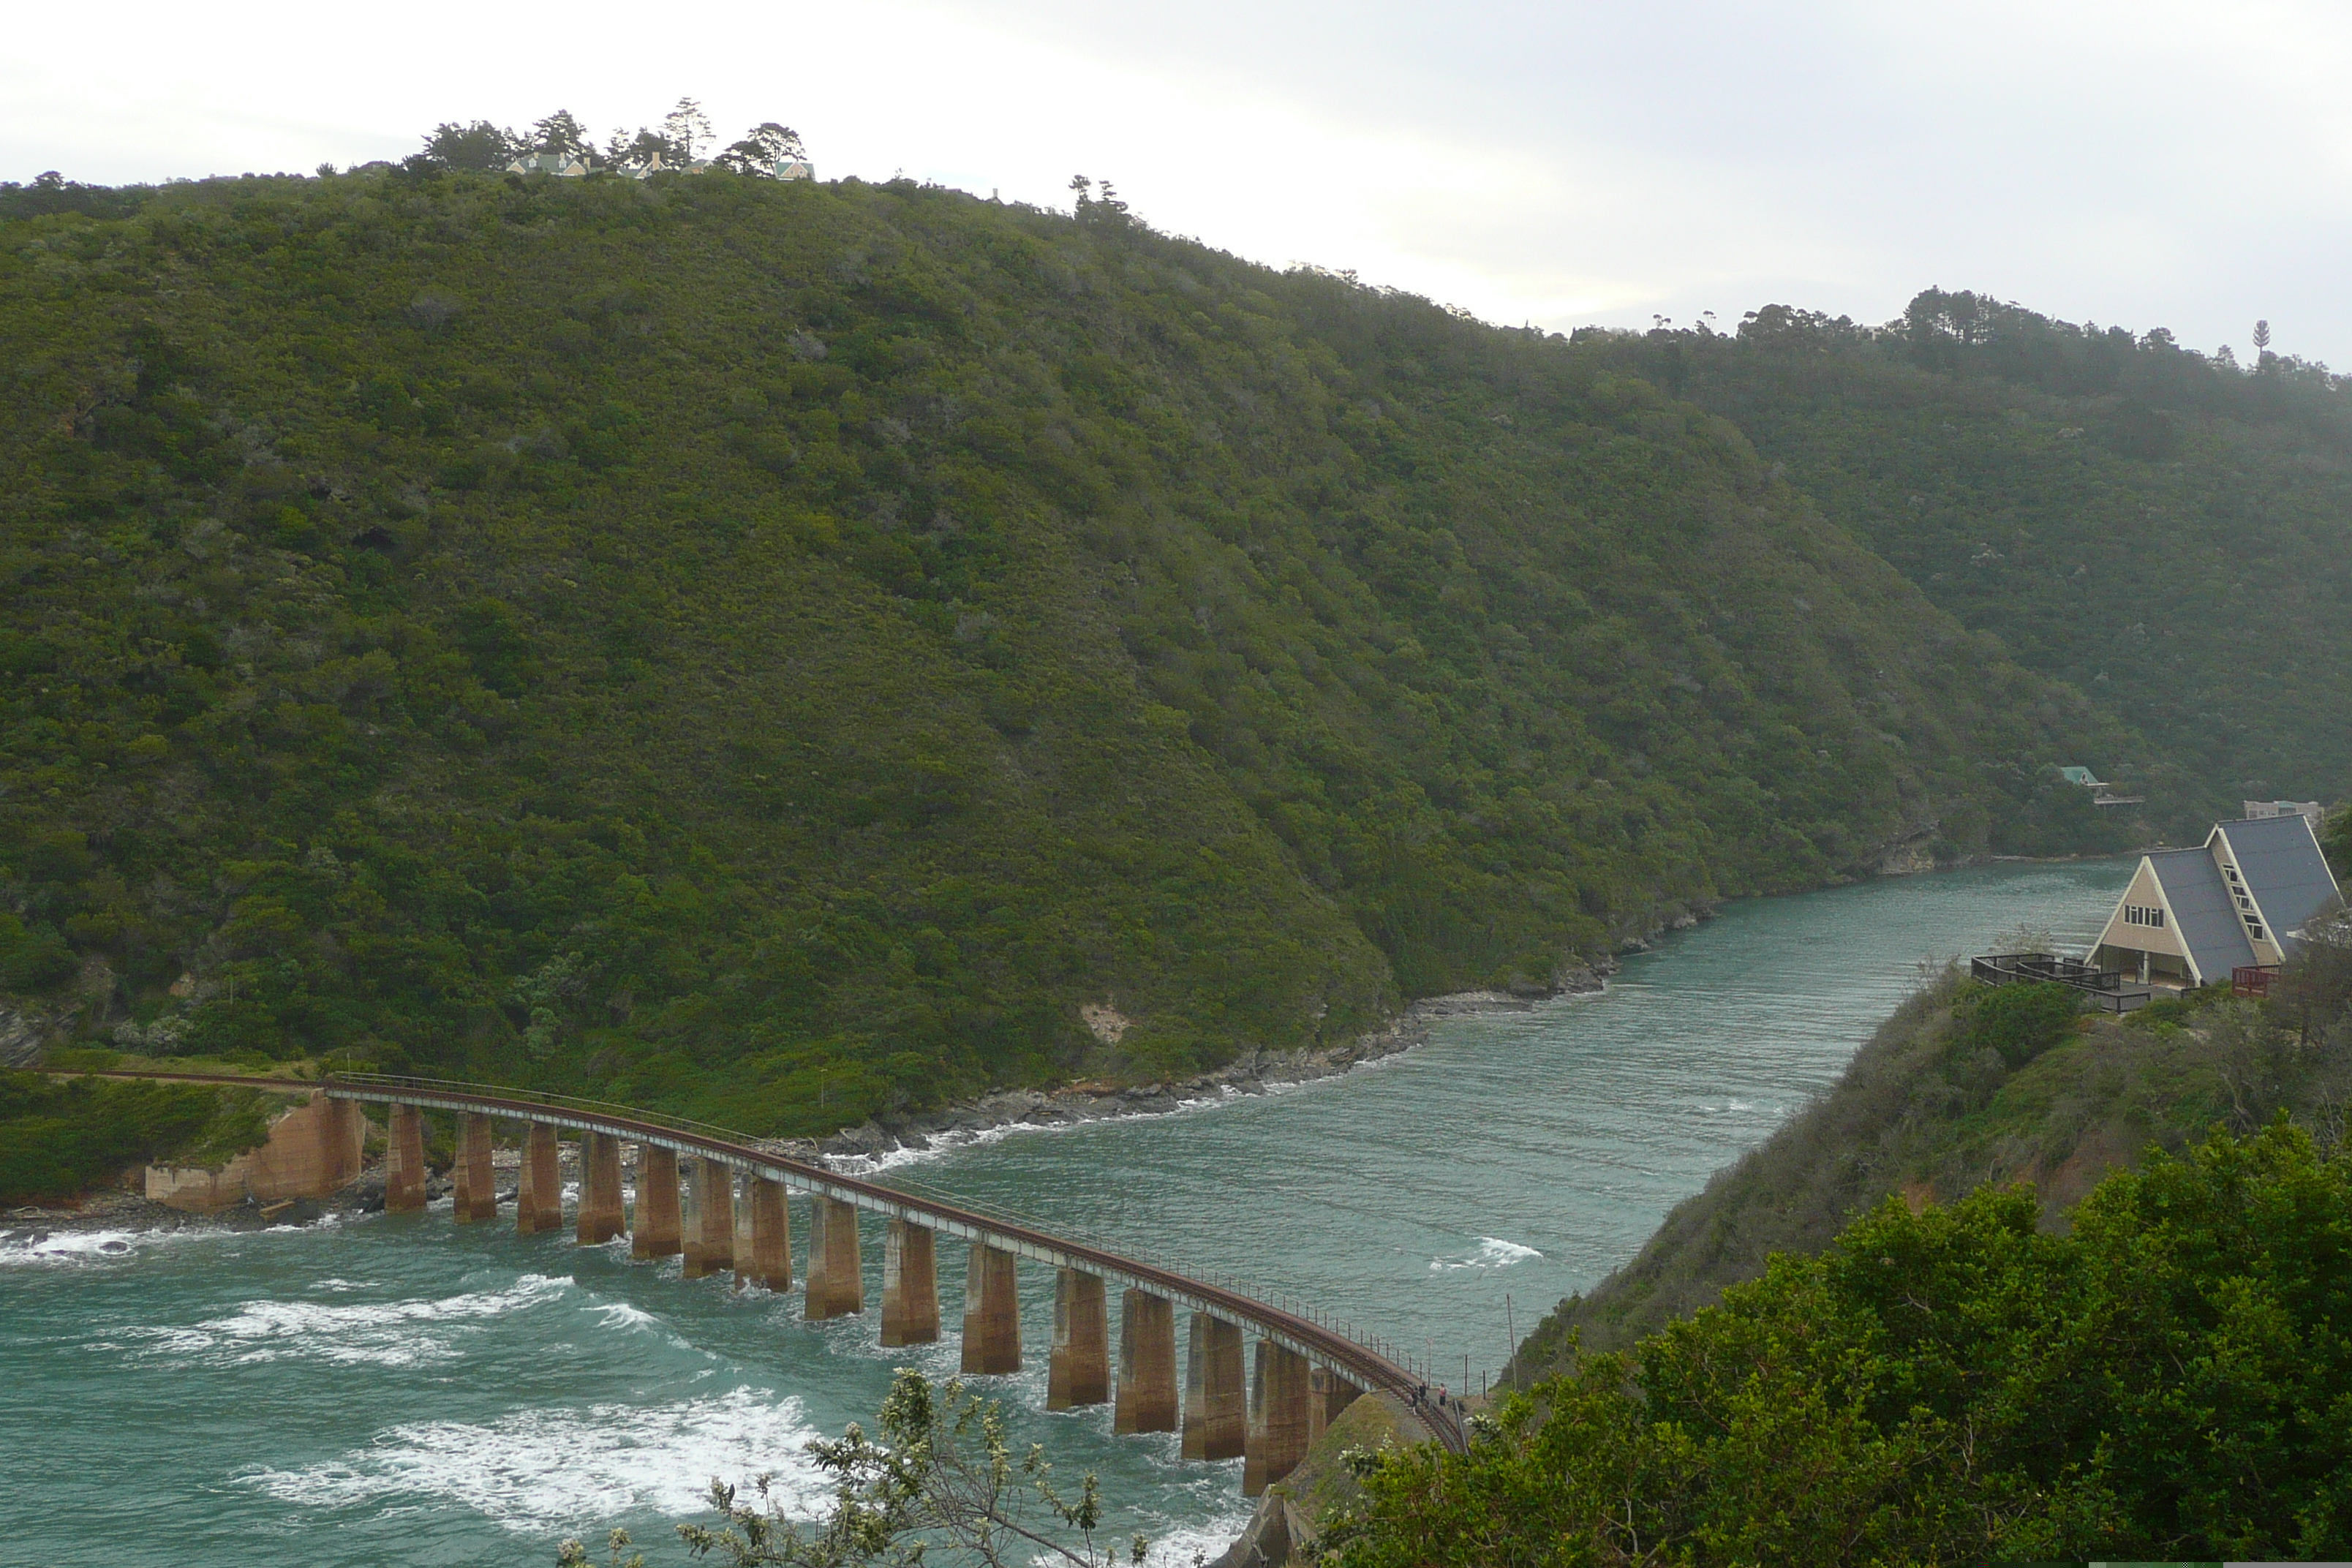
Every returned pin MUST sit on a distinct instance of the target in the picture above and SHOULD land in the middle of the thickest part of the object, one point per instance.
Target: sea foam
(1492, 1252)
(541, 1471)
(382, 1333)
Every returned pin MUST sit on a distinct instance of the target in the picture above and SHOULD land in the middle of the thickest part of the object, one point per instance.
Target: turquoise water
(399, 1390)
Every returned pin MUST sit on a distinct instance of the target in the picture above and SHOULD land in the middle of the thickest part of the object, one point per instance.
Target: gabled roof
(2284, 867)
(2204, 910)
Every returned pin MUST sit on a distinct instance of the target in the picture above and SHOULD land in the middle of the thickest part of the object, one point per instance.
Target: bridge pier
(710, 1239)
(765, 1258)
(539, 1196)
(1328, 1393)
(655, 1230)
(1215, 1399)
(404, 1160)
(1078, 1371)
(1147, 1364)
(599, 1218)
(478, 1193)
(1277, 1417)
(836, 1275)
(992, 1313)
(910, 1285)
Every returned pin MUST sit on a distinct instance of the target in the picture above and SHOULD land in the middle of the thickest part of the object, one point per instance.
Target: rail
(1367, 1363)
(2109, 990)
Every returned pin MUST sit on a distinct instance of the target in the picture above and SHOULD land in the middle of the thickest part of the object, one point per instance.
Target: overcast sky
(2142, 162)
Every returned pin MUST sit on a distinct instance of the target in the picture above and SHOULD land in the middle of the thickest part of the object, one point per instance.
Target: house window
(2143, 914)
(2156, 915)
(2255, 927)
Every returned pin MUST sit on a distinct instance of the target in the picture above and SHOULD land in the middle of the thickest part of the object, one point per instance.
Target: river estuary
(400, 1391)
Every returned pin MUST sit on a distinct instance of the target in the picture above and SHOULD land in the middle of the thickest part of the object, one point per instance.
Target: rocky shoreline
(1255, 1072)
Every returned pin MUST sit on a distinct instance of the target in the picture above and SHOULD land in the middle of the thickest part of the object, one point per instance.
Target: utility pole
(1511, 1329)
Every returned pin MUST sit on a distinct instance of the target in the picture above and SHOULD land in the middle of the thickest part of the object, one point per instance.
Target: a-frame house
(2193, 916)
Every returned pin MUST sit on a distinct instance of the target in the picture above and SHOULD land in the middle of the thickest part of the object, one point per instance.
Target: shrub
(2017, 1022)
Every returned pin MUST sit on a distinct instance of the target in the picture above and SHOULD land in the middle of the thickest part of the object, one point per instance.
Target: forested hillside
(780, 649)
(2169, 532)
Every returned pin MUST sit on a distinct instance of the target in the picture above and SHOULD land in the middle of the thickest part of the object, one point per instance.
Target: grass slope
(779, 650)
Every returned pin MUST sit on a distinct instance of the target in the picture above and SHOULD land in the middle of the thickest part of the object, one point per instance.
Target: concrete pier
(1277, 1417)
(910, 1286)
(654, 1229)
(404, 1160)
(992, 1313)
(601, 1217)
(477, 1192)
(765, 1255)
(1328, 1393)
(836, 1275)
(1078, 1372)
(710, 1235)
(539, 1200)
(1147, 1364)
(1216, 1400)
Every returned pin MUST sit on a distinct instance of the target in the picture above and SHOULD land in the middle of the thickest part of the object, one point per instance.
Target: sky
(2142, 163)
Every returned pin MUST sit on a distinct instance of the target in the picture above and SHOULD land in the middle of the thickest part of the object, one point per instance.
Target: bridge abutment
(1147, 1364)
(991, 1312)
(404, 1160)
(710, 1238)
(910, 1285)
(654, 1229)
(539, 1196)
(1277, 1417)
(767, 1258)
(1078, 1371)
(1328, 1393)
(477, 1192)
(1215, 1398)
(601, 1217)
(836, 1275)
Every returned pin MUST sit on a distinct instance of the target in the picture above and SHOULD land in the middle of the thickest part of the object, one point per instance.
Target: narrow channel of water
(398, 1389)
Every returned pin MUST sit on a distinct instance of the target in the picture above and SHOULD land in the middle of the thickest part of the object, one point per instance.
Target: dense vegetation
(778, 649)
(2163, 529)
(59, 1137)
(2168, 1380)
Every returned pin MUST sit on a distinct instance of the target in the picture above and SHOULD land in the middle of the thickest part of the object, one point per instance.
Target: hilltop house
(2262, 808)
(2193, 916)
(2102, 793)
(567, 165)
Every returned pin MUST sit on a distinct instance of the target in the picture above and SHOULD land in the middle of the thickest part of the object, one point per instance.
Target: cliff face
(1933, 1108)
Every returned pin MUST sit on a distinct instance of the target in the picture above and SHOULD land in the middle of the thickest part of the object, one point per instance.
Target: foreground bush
(2171, 1380)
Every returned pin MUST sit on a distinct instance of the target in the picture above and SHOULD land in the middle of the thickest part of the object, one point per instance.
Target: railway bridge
(721, 1201)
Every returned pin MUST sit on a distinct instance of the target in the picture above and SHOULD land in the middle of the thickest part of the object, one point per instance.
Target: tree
(2261, 337)
(563, 135)
(942, 1475)
(763, 147)
(639, 152)
(481, 146)
(687, 131)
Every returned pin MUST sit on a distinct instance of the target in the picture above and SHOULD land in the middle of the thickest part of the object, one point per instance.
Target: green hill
(779, 650)
(2166, 531)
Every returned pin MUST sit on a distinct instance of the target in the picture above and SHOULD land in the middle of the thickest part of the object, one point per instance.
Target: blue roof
(2204, 910)
(2284, 868)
